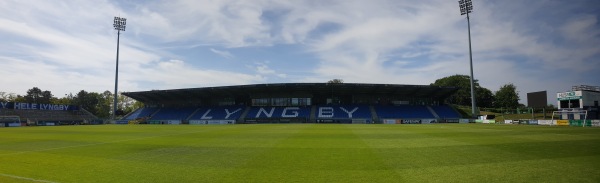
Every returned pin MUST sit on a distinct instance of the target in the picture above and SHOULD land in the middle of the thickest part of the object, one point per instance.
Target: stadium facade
(579, 103)
(24, 114)
(295, 103)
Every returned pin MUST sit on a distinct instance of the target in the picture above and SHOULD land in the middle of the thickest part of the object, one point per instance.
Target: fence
(577, 123)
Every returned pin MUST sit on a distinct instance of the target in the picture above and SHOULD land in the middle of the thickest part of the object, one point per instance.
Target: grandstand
(45, 114)
(294, 103)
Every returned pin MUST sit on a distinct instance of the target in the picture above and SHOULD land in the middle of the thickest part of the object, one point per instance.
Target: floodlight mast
(119, 24)
(466, 7)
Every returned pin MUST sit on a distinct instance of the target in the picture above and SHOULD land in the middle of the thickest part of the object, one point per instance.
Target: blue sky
(67, 46)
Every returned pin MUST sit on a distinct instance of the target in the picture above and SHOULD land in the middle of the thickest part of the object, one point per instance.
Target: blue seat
(173, 113)
(445, 111)
(343, 112)
(219, 113)
(142, 112)
(403, 112)
(278, 112)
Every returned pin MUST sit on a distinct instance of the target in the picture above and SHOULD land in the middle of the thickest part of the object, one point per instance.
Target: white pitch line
(26, 178)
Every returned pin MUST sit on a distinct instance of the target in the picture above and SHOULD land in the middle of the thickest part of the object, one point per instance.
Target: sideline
(26, 178)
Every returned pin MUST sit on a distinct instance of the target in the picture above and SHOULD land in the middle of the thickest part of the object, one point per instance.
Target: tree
(335, 81)
(46, 97)
(104, 105)
(87, 100)
(463, 82)
(507, 97)
(20, 98)
(127, 104)
(67, 99)
(36, 95)
(485, 97)
(7, 97)
(33, 95)
(137, 105)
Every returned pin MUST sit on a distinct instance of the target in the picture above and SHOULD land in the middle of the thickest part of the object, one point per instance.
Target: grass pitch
(300, 153)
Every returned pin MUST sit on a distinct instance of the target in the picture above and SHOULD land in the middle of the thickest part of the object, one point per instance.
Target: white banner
(546, 122)
(507, 121)
(463, 121)
(211, 122)
(14, 124)
(392, 121)
(428, 121)
(596, 123)
(173, 122)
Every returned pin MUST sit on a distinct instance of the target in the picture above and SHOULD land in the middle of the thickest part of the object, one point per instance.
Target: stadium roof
(288, 89)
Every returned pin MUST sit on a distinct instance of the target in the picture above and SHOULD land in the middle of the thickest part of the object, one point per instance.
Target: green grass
(300, 153)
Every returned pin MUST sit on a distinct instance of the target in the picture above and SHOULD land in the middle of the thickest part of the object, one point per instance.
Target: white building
(580, 98)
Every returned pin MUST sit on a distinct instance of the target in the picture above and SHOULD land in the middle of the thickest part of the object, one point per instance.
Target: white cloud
(228, 23)
(264, 70)
(581, 29)
(224, 54)
(178, 74)
(380, 41)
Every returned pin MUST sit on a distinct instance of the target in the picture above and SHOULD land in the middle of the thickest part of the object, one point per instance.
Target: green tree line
(99, 104)
(506, 97)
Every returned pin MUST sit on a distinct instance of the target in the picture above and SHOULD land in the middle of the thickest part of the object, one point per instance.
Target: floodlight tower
(466, 7)
(119, 25)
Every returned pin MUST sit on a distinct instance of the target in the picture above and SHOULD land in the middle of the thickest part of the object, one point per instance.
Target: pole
(471, 62)
(116, 78)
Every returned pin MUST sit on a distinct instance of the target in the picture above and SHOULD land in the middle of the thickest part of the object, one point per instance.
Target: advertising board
(572, 95)
(546, 122)
(121, 122)
(580, 123)
(14, 124)
(532, 122)
(562, 122)
(411, 121)
(596, 123)
(36, 106)
(392, 121)
(211, 122)
(429, 121)
(452, 121)
(164, 122)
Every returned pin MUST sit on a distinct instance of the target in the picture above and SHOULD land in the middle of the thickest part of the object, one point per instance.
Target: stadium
(296, 103)
(253, 120)
(341, 103)
(298, 132)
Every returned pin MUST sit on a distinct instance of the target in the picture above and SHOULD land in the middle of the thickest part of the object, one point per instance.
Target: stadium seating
(57, 116)
(141, 112)
(168, 113)
(343, 112)
(444, 111)
(218, 113)
(321, 113)
(278, 112)
(403, 112)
